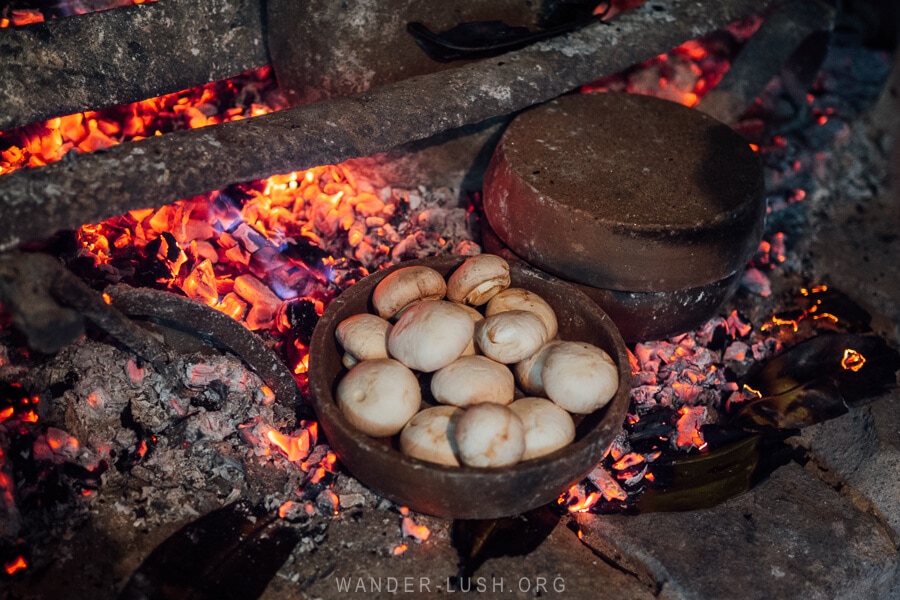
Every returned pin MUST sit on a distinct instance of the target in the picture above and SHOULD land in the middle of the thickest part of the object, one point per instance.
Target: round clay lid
(626, 192)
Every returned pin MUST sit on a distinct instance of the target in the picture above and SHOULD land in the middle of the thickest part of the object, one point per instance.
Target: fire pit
(135, 437)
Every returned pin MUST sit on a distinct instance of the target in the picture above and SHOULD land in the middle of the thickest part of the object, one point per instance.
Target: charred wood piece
(213, 327)
(49, 304)
(92, 61)
(25, 292)
(794, 38)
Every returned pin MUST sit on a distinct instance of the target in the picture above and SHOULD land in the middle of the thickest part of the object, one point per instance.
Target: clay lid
(626, 192)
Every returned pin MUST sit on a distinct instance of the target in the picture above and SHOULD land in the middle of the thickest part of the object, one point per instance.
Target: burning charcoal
(738, 357)
(409, 528)
(264, 302)
(250, 239)
(328, 502)
(301, 316)
(56, 446)
(200, 284)
(757, 282)
(607, 485)
(689, 424)
(135, 373)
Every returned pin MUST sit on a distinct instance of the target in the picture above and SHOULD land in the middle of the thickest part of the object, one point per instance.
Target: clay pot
(642, 316)
(465, 492)
(627, 193)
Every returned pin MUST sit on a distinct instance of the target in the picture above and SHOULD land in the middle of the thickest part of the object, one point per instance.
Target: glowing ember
(330, 500)
(852, 360)
(399, 549)
(609, 487)
(27, 16)
(14, 566)
(579, 501)
(690, 419)
(683, 75)
(409, 528)
(285, 509)
(295, 447)
(7, 490)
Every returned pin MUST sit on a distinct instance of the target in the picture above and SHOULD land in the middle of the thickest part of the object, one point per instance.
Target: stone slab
(862, 449)
(791, 537)
(358, 551)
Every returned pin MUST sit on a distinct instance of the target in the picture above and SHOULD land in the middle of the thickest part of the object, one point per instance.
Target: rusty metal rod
(213, 327)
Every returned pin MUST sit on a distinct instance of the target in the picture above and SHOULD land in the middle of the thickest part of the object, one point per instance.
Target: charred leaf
(817, 380)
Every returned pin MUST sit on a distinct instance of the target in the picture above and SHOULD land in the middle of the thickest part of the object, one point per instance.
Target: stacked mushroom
(425, 324)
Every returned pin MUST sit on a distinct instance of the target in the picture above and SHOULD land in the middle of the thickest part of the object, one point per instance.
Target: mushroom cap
(348, 360)
(522, 299)
(476, 317)
(473, 379)
(489, 435)
(528, 370)
(379, 396)
(478, 279)
(579, 377)
(406, 286)
(429, 435)
(364, 336)
(510, 336)
(547, 426)
(430, 335)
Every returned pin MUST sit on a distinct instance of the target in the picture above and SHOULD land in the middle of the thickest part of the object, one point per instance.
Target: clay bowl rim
(464, 492)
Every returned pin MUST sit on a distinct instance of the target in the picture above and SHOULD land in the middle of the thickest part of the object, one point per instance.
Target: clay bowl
(461, 492)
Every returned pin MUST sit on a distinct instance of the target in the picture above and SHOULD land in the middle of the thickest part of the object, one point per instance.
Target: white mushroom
(476, 317)
(363, 336)
(430, 335)
(489, 435)
(471, 380)
(579, 377)
(478, 279)
(349, 361)
(522, 299)
(428, 435)
(547, 426)
(407, 286)
(528, 371)
(379, 396)
(510, 336)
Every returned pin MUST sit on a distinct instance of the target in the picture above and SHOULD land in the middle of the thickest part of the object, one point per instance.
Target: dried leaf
(232, 552)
